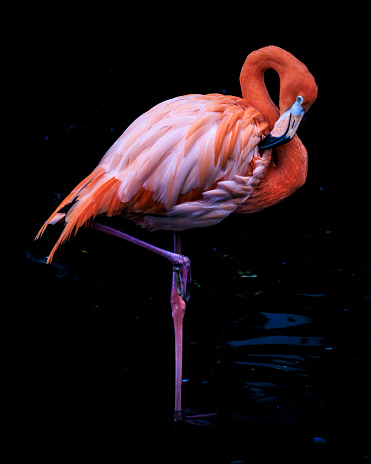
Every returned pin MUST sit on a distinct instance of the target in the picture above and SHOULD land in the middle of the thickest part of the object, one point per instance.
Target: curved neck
(252, 83)
(290, 173)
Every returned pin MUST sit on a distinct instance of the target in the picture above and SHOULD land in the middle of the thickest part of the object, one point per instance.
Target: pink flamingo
(192, 161)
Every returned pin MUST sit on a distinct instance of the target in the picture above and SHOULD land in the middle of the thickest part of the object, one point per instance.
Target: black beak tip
(271, 142)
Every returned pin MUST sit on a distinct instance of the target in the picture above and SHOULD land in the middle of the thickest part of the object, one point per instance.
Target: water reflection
(279, 340)
(282, 320)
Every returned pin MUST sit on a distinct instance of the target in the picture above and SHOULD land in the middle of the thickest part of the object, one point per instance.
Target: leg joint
(181, 262)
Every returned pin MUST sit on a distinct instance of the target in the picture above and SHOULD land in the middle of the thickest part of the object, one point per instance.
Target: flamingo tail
(92, 196)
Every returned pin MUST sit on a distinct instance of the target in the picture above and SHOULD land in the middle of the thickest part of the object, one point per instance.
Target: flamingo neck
(290, 173)
(252, 83)
(280, 180)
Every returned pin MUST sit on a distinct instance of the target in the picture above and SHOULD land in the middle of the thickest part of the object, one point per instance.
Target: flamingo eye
(300, 99)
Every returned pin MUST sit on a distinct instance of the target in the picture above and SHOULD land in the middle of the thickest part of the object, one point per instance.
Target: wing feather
(207, 131)
(193, 159)
(181, 144)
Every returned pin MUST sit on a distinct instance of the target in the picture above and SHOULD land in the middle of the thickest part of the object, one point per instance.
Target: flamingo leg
(179, 296)
(181, 264)
(178, 307)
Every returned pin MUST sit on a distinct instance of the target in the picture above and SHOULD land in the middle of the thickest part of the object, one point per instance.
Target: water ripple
(279, 340)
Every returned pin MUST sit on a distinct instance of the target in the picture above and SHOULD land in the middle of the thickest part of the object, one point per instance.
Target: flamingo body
(188, 162)
(193, 160)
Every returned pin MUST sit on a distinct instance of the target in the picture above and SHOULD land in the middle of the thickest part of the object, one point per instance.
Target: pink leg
(181, 264)
(178, 307)
(179, 295)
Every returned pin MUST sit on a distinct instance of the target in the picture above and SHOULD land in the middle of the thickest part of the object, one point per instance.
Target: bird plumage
(187, 162)
(193, 160)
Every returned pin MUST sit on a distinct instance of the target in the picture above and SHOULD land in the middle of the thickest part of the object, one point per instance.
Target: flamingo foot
(193, 417)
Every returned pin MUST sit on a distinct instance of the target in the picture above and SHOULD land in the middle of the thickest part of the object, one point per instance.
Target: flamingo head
(298, 92)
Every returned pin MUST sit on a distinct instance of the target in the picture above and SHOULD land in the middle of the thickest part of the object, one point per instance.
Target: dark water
(276, 342)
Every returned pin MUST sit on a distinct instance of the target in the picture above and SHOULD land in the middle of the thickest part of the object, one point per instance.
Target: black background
(76, 80)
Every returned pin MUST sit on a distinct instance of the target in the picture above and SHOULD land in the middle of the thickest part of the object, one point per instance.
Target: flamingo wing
(188, 162)
(173, 159)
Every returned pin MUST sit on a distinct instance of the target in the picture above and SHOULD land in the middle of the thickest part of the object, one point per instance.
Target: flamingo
(193, 160)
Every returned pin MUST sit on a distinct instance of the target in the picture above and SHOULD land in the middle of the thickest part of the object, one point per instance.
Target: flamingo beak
(285, 127)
